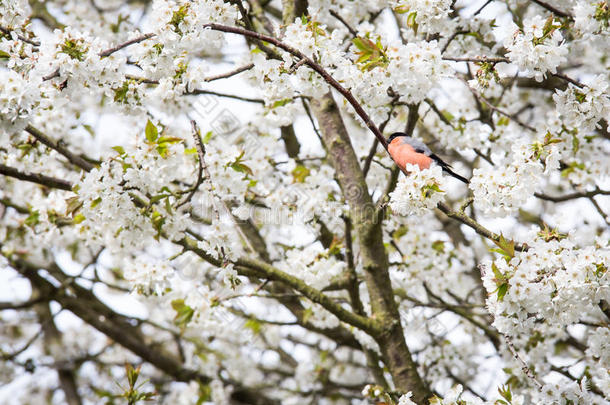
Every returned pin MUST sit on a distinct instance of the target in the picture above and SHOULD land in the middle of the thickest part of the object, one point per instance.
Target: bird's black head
(395, 135)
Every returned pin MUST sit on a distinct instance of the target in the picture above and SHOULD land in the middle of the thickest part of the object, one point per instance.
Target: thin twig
(197, 92)
(572, 196)
(488, 2)
(7, 31)
(599, 210)
(200, 156)
(492, 107)
(524, 365)
(310, 116)
(477, 59)
(349, 28)
(296, 66)
(373, 149)
(569, 79)
(125, 44)
(229, 74)
(369, 158)
(451, 38)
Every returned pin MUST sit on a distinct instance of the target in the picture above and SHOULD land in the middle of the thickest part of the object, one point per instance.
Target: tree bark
(372, 251)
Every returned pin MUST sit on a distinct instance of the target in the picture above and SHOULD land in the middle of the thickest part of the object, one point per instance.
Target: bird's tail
(454, 174)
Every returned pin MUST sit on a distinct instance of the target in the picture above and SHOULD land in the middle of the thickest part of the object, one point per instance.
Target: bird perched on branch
(404, 149)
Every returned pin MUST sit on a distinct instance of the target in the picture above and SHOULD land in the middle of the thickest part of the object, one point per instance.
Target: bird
(405, 149)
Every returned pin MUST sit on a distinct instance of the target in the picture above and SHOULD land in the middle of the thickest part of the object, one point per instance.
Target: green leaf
(162, 150)
(132, 375)
(151, 132)
(400, 232)
(360, 44)
(74, 49)
(300, 173)
(507, 247)
(242, 168)
(253, 325)
(119, 149)
(184, 313)
(572, 167)
(403, 9)
(95, 202)
(206, 138)
(157, 221)
(33, 218)
(157, 198)
(89, 129)
(503, 121)
(439, 246)
(238, 166)
(371, 54)
(428, 190)
(502, 290)
(497, 273)
(169, 139)
(120, 93)
(448, 116)
(281, 103)
(412, 22)
(78, 218)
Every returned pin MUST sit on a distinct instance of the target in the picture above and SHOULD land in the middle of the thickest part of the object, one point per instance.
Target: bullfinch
(404, 149)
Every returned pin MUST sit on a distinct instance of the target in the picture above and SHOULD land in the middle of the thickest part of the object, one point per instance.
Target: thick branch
(84, 304)
(270, 272)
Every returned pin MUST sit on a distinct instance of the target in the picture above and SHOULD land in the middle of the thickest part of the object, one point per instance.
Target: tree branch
(229, 74)
(478, 228)
(267, 271)
(315, 66)
(125, 44)
(572, 196)
(553, 9)
(74, 159)
(7, 31)
(236, 97)
(41, 179)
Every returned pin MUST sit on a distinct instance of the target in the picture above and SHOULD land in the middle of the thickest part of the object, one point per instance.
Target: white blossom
(538, 48)
(418, 192)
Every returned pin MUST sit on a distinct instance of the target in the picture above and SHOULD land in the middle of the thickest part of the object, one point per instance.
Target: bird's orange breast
(403, 153)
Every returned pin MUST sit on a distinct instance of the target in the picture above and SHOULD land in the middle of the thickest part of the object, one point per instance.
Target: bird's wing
(418, 145)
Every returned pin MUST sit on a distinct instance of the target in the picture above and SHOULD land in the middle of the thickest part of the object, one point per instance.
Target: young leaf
(151, 132)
